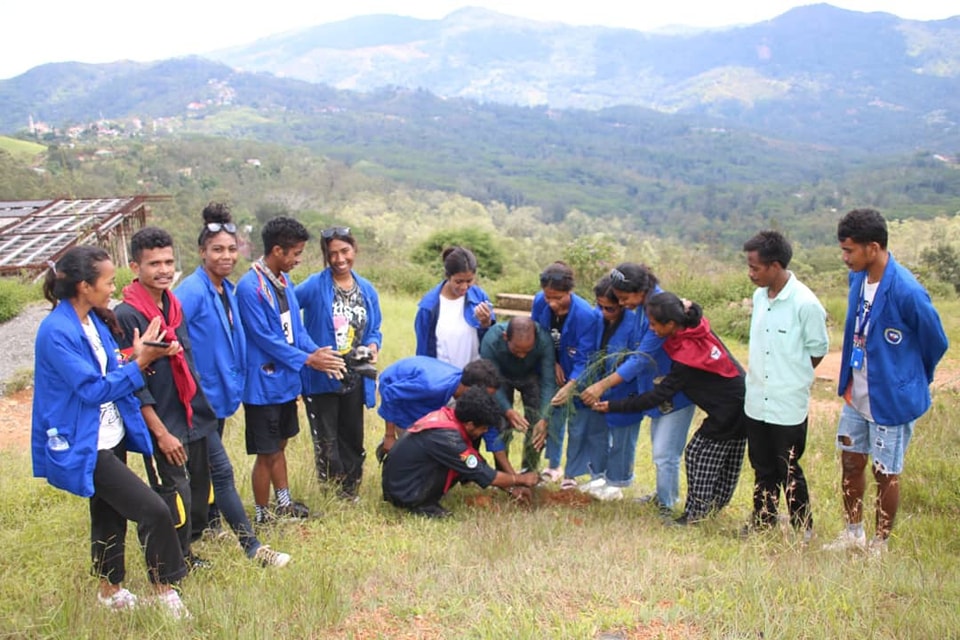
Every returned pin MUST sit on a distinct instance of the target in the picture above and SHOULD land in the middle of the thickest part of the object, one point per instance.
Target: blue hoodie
(316, 299)
(428, 311)
(68, 392)
(220, 348)
(905, 341)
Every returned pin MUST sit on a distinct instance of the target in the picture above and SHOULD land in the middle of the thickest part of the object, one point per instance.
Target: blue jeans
(226, 496)
(668, 436)
(587, 444)
(622, 454)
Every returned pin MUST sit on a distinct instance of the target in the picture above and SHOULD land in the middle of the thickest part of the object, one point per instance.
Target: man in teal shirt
(788, 339)
(524, 355)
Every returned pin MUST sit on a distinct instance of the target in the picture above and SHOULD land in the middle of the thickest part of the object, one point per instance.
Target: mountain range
(809, 74)
(816, 74)
(795, 116)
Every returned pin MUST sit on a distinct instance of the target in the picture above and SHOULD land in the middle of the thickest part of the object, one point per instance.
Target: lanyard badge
(860, 332)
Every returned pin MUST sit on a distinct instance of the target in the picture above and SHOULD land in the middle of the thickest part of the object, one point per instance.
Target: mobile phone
(155, 343)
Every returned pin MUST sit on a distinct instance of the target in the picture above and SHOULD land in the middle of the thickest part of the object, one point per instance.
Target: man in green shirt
(523, 353)
(788, 338)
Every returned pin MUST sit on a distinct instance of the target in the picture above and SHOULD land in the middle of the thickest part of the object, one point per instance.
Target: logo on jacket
(893, 336)
(715, 353)
(469, 460)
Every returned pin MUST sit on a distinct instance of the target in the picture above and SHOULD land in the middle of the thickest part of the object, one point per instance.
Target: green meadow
(499, 570)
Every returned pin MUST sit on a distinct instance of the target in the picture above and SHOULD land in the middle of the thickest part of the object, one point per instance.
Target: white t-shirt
(860, 393)
(457, 342)
(111, 425)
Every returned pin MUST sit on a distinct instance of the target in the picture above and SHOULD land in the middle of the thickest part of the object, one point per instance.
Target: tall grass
(496, 570)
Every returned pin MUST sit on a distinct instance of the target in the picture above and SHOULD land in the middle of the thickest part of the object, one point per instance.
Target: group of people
(160, 374)
(588, 372)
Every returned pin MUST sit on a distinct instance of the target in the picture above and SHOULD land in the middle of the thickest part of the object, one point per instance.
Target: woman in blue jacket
(342, 309)
(83, 395)
(670, 421)
(614, 452)
(453, 316)
(210, 309)
(572, 324)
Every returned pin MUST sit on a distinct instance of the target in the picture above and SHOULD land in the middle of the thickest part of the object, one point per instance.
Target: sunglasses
(563, 281)
(609, 309)
(617, 276)
(332, 232)
(217, 227)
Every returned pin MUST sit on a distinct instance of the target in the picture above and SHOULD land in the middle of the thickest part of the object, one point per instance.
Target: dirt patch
(15, 410)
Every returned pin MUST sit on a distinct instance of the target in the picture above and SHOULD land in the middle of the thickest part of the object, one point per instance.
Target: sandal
(551, 475)
(567, 484)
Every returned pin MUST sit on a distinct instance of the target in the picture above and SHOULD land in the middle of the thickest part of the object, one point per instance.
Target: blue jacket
(68, 392)
(905, 341)
(622, 343)
(579, 340)
(428, 311)
(273, 365)
(411, 388)
(650, 362)
(220, 351)
(315, 295)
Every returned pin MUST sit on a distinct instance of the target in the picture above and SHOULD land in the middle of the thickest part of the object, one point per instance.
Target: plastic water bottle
(55, 441)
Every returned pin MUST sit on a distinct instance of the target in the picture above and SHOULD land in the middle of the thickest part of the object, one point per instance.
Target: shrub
(14, 295)
(481, 243)
(591, 257)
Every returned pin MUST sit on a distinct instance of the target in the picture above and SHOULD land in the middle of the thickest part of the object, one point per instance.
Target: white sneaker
(607, 492)
(847, 540)
(270, 558)
(171, 601)
(119, 601)
(592, 485)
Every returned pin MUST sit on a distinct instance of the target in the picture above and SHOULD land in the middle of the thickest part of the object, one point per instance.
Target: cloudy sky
(109, 30)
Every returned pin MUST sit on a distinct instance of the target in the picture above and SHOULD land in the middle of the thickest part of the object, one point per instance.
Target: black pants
(192, 482)
(529, 389)
(428, 494)
(775, 452)
(336, 424)
(120, 495)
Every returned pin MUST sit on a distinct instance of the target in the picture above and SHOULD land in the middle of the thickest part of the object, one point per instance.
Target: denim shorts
(886, 444)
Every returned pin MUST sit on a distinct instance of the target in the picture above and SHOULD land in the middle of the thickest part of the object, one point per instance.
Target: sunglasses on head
(558, 279)
(217, 227)
(617, 276)
(332, 232)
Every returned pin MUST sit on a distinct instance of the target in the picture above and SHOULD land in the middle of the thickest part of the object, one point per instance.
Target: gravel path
(16, 342)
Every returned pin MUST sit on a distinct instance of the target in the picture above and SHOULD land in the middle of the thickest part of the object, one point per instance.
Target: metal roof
(34, 232)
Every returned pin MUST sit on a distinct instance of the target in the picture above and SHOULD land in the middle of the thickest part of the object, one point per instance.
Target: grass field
(496, 570)
(21, 148)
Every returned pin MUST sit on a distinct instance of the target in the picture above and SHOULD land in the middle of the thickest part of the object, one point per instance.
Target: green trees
(482, 243)
(944, 261)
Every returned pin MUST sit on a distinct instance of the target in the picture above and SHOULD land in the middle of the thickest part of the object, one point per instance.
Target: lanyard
(863, 312)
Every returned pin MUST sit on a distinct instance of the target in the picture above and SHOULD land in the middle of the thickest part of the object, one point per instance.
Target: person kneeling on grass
(704, 369)
(438, 451)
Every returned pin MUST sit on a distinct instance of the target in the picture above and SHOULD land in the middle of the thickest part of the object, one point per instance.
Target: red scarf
(136, 295)
(699, 348)
(446, 419)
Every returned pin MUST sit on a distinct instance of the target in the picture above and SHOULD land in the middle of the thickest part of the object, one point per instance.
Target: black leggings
(120, 495)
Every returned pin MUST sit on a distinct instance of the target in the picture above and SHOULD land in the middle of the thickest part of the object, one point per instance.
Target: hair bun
(217, 212)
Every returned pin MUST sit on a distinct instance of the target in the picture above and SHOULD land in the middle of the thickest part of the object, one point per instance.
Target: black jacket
(721, 398)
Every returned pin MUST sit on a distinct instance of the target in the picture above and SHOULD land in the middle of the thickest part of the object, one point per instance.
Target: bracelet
(513, 477)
